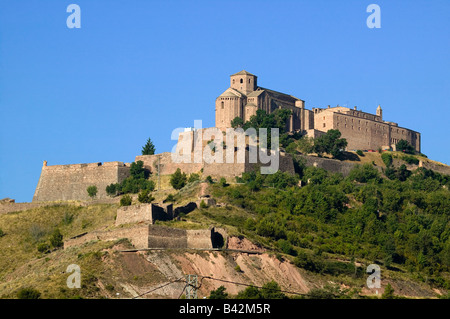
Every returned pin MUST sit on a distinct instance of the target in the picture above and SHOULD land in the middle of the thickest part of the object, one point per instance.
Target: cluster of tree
(404, 220)
(270, 290)
(405, 147)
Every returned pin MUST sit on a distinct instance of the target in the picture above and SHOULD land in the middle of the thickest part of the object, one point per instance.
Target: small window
(233, 81)
(248, 80)
(242, 81)
(324, 124)
(222, 104)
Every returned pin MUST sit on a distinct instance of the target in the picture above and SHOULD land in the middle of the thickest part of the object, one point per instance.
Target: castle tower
(380, 112)
(243, 81)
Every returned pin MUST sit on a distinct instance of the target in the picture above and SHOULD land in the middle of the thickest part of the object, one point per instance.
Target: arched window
(242, 81)
(233, 81)
(222, 104)
(248, 80)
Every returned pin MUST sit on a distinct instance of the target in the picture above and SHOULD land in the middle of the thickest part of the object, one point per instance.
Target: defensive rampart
(70, 182)
(155, 236)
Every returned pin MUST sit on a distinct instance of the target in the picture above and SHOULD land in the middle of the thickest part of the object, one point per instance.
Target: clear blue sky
(139, 69)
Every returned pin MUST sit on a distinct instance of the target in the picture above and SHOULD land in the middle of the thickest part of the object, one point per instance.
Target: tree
(56, 239)
(330, 143)
(219, 293)
(237, 122)
(178, 179)
(28, 293)
(388, 292)
(145, 196)
(138, 171)
(148, 148)
(92, 191)
(111, 189)
(405, 147)
(387, 159)
(126, 200)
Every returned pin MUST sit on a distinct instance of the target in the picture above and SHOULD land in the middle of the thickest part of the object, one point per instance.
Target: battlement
(70, 182)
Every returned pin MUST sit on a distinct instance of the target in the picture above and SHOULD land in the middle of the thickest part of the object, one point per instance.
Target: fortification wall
(69, 182)
(138, 236)
(199, 238)
(166, 237)
(332, 165)
(134, 214)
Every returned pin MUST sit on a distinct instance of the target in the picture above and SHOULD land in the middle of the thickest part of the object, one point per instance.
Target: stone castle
(362, 130)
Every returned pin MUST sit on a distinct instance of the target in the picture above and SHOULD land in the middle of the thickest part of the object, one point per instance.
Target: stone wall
(156, 236)
(332, 165)
(69, 182)
(143, 213)
(138, 236)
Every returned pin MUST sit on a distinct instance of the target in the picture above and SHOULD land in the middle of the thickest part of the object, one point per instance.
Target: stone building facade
(361, 129)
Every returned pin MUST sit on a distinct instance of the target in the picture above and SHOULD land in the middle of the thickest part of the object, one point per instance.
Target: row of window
(242, 81)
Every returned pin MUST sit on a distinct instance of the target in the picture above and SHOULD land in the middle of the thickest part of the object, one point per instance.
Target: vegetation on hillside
(401, 222)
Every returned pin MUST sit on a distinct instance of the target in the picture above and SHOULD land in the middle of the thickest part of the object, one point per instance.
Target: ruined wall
(166, 237)
(143, 213)
(69, 182)
(138, 236)
(152, 236)
(332, 165)
(199, 238)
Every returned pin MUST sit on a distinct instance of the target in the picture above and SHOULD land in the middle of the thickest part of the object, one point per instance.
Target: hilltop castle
(242, 99)
(362, 130)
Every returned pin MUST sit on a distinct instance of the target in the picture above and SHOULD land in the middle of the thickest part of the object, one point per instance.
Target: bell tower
(243, 81)
(380, 112)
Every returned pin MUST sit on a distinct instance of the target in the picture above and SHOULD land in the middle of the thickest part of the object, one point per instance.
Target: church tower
(380, 112)
(243, 81)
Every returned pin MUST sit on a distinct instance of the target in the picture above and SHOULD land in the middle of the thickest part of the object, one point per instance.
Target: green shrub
(219, 293)
(28, 293)
(145, 196)
(360, 153)
(209, 179)
(56, 239)
(404, 146)
(388, 292)
(126, 200)
(411, 160)
(1, 233)
(387, 159)
(203, 204)
(193, 178)
(178, 179)
(364, 173)
(92, 191)
(286, 247)
(169, 198)
(67, 218)
(223, 182)
(43, 247)
(111, 189)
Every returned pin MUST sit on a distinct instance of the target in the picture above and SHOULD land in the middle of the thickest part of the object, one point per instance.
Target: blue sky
(139, 69)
